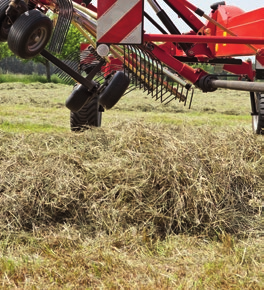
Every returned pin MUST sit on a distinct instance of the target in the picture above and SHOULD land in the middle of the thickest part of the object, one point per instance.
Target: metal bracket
(87, 82)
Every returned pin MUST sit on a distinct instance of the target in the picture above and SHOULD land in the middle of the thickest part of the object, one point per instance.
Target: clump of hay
(159, 178)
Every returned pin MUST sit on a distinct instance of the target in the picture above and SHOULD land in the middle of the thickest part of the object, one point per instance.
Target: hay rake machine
(121, 56)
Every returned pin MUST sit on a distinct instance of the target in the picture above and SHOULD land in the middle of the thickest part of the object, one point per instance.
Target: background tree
(72, 42)
(4, 50)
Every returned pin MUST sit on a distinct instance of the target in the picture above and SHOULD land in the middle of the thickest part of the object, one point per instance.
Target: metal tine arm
(62, 25)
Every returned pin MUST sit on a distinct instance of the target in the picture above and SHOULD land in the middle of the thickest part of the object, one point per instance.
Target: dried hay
(159, 178)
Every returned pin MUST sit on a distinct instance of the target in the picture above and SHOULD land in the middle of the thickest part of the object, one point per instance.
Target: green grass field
(159, 197)
(40, 107)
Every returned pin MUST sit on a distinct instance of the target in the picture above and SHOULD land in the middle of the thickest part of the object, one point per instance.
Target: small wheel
(78, 98)
(4, 29)
(114, 90)
(7, 21)
(89, 115)
(30, 33)
(258, 119)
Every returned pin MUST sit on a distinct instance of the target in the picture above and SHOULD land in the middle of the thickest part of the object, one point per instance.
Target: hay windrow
(160, 178)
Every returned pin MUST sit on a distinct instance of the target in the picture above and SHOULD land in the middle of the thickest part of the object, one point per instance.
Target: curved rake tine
(62, 25)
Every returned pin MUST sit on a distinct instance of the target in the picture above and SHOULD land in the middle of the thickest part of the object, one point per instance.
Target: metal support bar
(185, 14)
(182, 69)
(85, 10)
(202, 14)
(203, 39)
(88, 83)
(165, 19)
(155, 23)
(234, 61)
(238, 85)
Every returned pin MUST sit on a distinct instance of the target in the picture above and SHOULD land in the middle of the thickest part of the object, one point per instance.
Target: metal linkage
(62, 26)
(210, 83)
(146, 72)
(87, 63)
(89, 58)
(89, 84)
(73, 61)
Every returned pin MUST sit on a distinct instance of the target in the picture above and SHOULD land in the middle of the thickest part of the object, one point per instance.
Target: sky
(245, 5)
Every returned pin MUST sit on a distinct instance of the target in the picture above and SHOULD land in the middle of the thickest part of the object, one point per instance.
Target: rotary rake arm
(157, 63)
(197, 45)
(217, 42)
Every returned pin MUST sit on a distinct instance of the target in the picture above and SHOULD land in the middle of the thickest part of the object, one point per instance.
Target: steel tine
(62, 25)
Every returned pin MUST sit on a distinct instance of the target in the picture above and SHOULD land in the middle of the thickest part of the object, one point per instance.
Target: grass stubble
(135, 205)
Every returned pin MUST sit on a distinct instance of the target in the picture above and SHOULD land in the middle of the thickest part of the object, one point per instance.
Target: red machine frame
(118, 26)
(221, 37)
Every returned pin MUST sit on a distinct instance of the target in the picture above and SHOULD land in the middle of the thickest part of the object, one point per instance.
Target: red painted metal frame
(244, 70)
(208, 41)
(242, 24)
(193, 75)
(187, 16)
(213, 43)
(203, 39)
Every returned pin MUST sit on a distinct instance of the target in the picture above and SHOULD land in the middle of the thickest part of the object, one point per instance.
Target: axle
(238, 85)
(211, 83)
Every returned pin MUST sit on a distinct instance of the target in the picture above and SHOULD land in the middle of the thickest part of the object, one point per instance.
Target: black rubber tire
(258, 120)
(5, 26)
(78, 98)
(3, 6)
(89, 116)
(22, 36)
(114, 90)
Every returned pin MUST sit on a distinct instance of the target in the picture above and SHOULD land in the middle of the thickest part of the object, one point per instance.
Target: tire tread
(88, 116)
(258, 128)
(20, 30)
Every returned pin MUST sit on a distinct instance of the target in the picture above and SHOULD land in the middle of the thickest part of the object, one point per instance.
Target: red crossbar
(203, 39)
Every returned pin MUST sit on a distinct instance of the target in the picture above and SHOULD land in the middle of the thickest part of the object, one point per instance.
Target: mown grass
(185, 183)
(158, 198)
(62, 259)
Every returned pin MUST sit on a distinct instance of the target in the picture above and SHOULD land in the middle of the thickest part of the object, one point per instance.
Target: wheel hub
(36, 39)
